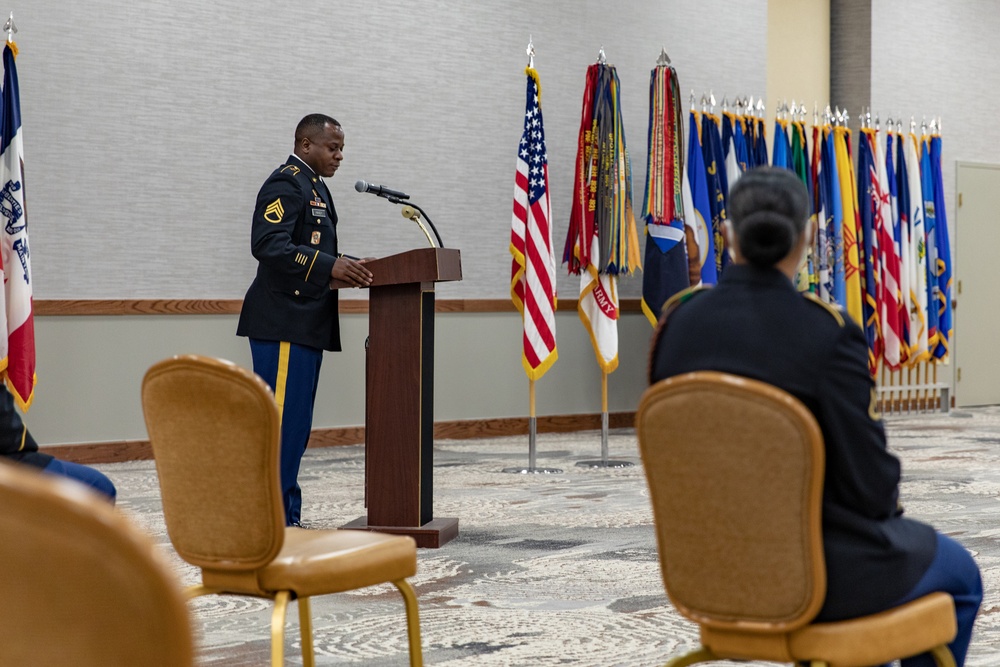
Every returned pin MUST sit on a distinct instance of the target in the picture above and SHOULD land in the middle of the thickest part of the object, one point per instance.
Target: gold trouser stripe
(24, 436)
(311, 265)
(284, 349)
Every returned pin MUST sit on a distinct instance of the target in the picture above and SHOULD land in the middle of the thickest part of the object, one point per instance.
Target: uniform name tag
(319, 212)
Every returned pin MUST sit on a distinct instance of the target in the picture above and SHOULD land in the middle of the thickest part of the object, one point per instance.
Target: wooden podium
(399, 396)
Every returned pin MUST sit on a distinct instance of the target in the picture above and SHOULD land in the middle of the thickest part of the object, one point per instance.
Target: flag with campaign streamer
(533, 268)
(665, 270)
(17, 336)
(602, 242)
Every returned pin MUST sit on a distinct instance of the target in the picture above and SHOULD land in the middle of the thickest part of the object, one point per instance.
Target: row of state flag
(881, 250)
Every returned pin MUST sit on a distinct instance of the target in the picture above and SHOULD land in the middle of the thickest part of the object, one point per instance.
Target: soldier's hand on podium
(351, 271)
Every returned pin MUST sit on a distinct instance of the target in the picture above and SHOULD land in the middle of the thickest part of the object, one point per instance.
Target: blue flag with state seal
(942, 268)
(700, 213)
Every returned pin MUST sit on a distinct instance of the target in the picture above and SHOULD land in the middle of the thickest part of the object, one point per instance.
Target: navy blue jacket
(16, 443)
(755, 324)
(294, 239)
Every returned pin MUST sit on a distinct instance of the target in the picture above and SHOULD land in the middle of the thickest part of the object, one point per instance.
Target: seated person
(755, 324)
(16, 444)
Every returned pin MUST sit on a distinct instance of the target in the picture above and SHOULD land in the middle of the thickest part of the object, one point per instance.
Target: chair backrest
(215, 432)
(80, 585)
(735, 474)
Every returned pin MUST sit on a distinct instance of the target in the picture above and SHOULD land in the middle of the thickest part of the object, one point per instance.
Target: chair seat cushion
(316, 562)
(910, 629)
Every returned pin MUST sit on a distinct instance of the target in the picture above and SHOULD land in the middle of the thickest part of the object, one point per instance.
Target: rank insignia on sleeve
(315, 238)
(274, 211)
(873, 412)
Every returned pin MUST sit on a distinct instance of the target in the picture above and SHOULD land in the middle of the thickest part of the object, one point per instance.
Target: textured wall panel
(934, 59)
(850, 56)
(150, 125)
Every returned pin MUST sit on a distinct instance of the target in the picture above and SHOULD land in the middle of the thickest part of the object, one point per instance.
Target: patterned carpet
(557, 569)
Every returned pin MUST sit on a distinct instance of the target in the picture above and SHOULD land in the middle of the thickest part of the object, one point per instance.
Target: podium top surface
(413, 266)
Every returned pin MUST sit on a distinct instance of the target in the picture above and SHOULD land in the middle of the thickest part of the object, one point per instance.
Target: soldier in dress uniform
(290, 311)
(755, 324)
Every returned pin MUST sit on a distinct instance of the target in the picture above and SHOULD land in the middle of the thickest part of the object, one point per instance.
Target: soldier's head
(319, 142)
(768, 221)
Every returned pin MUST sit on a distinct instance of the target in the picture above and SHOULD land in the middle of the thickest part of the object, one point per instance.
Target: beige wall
(90, 370)
(798, 55)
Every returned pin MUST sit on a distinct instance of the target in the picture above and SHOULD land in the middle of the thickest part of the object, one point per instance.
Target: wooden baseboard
(140, 450)
(104, 307)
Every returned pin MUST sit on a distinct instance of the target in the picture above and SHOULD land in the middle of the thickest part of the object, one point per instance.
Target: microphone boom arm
(411, 213)
(416, 218)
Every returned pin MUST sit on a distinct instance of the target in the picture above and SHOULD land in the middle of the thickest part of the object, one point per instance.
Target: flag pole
(604, 417)
(10, 28)
(532, 424)
(532, 469)
(603, 462)
(531, 193)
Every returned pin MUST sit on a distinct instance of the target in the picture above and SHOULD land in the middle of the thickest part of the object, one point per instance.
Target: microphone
(379, 190)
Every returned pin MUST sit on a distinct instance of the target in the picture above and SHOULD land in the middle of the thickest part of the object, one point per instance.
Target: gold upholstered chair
(735, 473)
(214, 428)
(80, 585)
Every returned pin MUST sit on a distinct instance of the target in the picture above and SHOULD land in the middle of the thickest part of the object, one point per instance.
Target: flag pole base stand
(533, 471)
(599, 463)
(532, 448)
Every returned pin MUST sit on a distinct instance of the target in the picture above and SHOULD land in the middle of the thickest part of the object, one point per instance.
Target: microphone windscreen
(360, 186)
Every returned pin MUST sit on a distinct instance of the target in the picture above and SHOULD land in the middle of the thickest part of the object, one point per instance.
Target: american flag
(533, 269)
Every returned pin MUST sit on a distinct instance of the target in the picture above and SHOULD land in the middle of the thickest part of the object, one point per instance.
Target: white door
(976, 289)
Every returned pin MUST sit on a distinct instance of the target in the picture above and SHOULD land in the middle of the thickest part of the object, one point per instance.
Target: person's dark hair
(768, 209)
(312, 126)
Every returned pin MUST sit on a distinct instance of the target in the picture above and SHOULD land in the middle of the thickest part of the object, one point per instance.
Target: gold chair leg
(192, 592)
(942, 656)
(701, 655)
(305, 630)
(278, 628)
(412, 622)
